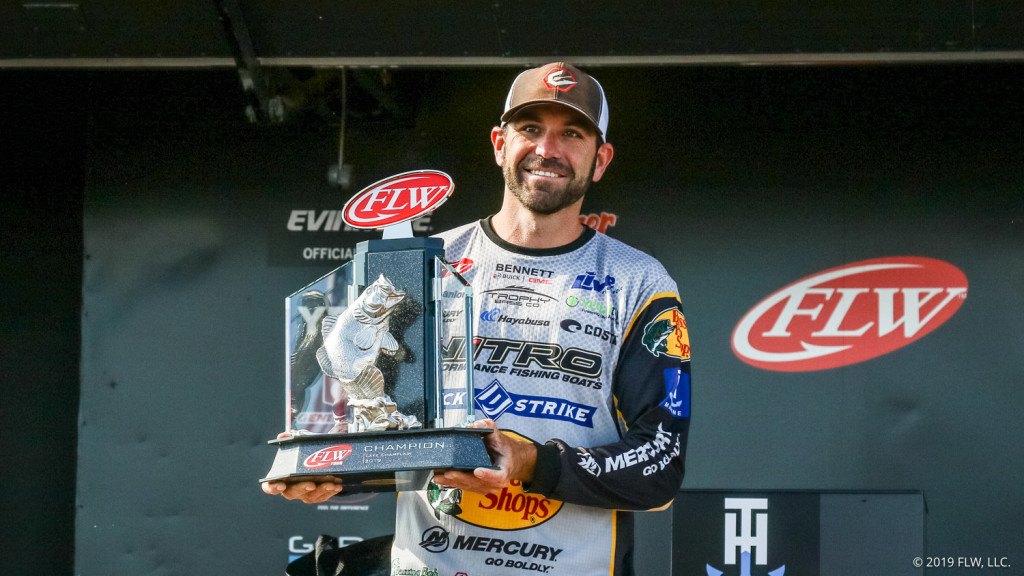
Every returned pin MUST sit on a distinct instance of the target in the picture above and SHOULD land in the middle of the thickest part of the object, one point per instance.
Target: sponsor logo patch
(560, 79)
(454, 397)
(593, 306)
(495, 315)
(397, 570)
(849, 314)
(434, 540)
(527, 274)
(461, 266)
(495, 400)
(677, 392)
(510, 551)
(667, 335)
(652, 457)
(590, 282)
(572, 326)
(528, 360)
(547, 356)
(518, 296)
(510, 509)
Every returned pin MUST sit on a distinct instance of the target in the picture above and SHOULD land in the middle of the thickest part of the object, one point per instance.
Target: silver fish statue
(352, 343)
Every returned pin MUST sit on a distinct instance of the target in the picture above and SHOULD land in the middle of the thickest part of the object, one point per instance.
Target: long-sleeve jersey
(582, 349)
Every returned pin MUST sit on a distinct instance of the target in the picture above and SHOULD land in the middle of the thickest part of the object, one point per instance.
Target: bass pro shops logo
(849, 314)
(667, 335)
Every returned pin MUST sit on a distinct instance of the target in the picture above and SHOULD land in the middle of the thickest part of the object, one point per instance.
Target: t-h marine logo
(750, 535)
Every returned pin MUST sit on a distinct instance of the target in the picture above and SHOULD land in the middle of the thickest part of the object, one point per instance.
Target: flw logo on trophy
(398, 199)
(364, 377)
(329, 456)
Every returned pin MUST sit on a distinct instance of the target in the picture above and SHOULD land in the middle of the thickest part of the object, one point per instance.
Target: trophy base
(388, 461)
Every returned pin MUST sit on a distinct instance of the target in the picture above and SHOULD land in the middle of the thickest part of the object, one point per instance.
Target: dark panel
(998, 25)
(495, 31)
(539, 29)
(42, 173)
(111, 29)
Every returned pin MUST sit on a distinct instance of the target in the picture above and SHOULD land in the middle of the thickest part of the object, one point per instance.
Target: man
(582, 358)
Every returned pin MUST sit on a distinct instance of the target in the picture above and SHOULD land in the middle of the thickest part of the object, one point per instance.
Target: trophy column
(409, 264)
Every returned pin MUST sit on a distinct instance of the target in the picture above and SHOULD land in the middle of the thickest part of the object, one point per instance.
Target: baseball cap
(560, 83)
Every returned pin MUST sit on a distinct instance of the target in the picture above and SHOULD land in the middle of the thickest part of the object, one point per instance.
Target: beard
(545, 198)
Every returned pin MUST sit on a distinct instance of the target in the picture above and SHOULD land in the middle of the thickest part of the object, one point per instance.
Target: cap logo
(559, 79)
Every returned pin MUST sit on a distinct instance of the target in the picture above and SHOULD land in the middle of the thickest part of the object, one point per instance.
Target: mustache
(547, 164)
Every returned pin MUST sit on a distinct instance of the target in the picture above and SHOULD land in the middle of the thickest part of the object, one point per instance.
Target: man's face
(549, 156)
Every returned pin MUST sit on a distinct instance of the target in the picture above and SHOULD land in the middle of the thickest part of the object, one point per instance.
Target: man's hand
(308, 492)
(514, 458)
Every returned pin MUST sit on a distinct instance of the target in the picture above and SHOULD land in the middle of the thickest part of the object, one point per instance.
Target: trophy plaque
(365, 383)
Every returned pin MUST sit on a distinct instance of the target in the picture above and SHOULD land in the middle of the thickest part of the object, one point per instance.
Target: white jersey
(582, 349)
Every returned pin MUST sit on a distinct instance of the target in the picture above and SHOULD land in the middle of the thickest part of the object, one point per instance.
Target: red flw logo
(330, 456)
(462, 266)
(849, 314)
(397, 199)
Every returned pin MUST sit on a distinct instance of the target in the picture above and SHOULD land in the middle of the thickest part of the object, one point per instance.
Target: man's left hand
(514, 459)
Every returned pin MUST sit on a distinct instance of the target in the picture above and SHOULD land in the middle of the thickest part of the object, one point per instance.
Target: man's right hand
(308, 492)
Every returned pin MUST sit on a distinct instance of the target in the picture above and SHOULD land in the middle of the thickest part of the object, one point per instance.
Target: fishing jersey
(583, 350)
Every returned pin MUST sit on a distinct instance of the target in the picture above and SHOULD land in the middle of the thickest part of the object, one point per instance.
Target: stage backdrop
(848, 243)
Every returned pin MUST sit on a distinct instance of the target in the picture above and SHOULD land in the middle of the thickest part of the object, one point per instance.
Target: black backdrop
(749, 179)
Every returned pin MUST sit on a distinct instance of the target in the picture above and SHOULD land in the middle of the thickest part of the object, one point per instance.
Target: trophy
(374, 349)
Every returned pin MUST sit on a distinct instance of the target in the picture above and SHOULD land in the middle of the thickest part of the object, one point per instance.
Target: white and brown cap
(560, 83)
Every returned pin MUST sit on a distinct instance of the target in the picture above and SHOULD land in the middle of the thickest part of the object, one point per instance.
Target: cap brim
(511, 112)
